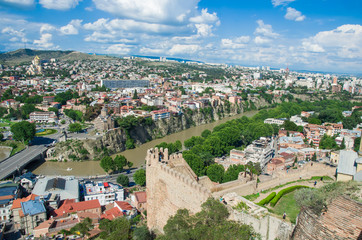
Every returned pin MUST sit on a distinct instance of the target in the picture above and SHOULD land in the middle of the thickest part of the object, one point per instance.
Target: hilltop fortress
(172, 185)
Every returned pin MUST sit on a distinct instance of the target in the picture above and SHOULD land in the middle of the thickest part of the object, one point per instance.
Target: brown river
(137, 155)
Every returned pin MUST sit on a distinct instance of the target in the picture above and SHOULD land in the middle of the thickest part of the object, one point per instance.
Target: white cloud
(59, 4)
(46, 28)
(19, 3)
(293, 14)
(119, 49)
(204, 30)
(281, 2)
(261, 40)
(72, 27)
(312, 47)
(149, 10)
(265, 30)
(205, 17)
(342, 42)
(239, 42)
(45, 41)
(182, 49)
(146, 50)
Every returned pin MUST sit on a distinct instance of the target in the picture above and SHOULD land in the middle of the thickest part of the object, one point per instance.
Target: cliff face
(115, 140)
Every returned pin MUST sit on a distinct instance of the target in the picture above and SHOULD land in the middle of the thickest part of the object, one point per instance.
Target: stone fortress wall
(172, 185)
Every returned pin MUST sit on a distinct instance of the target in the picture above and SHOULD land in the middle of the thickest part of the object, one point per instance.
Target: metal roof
(346, 164)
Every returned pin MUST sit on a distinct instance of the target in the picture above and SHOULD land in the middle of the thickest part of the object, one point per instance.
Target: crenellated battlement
(171, 185)
(167, 163)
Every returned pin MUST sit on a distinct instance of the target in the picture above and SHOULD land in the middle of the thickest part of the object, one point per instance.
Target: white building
(105, 192)
(44, 117)
(274, 121)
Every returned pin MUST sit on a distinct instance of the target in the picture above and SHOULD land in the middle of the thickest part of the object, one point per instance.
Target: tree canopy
(211, 223)
(140, 177)
(23, 131)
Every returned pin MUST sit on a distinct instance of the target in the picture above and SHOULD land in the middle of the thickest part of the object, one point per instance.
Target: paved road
(17, 161)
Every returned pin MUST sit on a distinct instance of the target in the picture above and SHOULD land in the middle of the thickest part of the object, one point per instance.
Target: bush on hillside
(267, 199)
(281, 193)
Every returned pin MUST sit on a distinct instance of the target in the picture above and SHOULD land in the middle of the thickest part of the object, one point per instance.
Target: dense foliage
(267, 199)
(23, 131)
(116, 164)
(123, 180)
(140, 177)
(284, 191)
(210, 223)
(317, 199)
(172, 147)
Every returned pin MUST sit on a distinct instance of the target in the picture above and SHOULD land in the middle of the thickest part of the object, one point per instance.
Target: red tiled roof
(124, 205)
(70, 206)
(141, 197)
(17, 202)
(112, 213)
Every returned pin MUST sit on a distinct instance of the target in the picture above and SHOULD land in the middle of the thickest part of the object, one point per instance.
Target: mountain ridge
(25, 56)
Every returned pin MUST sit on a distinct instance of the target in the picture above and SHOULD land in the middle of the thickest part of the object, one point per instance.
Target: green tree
(135, 95)
(142, 233)
(140, 177)
(117, 229)
(215, 172)
(53, 109)
(357, 142)
(123, 180)
(107, 163)
(343, 145)
(120, 162)
(210, 223)
(327, 142)
(1, 136)
(290, 126)
(75, 127)
(23, 131)
(205, 133)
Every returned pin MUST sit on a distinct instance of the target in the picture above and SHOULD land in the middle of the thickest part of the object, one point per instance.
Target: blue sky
(321, 35)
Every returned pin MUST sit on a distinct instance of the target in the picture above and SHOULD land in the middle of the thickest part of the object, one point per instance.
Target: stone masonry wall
(171, 185)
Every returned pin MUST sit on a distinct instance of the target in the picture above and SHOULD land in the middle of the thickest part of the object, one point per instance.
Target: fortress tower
(171, 185)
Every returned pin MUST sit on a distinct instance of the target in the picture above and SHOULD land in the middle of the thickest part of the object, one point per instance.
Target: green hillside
(25, 56)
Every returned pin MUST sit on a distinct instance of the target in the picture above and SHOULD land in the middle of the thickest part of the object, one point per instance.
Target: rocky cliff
(114, 141)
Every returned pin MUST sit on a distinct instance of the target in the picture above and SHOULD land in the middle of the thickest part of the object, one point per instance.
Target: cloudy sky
(322, 35)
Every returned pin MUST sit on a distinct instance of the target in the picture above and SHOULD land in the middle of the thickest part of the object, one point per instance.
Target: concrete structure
(8, 192)
(348, 166)
(274, 121)
(17, 162)
(139, 200)
(105, 192)
(66, 188)
(113, 84)
(43, 117)
(28, 213)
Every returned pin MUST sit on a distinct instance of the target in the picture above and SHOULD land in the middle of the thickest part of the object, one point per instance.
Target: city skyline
(303, 34)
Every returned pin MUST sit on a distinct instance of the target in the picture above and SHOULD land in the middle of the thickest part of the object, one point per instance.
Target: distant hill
(22, 56)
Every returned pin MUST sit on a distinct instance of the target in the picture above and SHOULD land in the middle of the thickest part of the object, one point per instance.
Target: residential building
(274, 121)
(43, 117)
(160, 114)
(70, 206)
(139, 200)
(349, 166)
(28, 213)
(8, 192)
(113, 84)
(66, 188)
(105, 192)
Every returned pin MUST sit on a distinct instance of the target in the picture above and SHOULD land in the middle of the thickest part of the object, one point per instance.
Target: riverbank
(136, 156)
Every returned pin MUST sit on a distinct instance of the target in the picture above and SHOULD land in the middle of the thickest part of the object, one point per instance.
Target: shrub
(267, 199)
(252, 197)
(281, 193)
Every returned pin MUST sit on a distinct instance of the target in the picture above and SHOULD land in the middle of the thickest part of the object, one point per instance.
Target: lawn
(46, 132)
(17, 146)
(288, 205)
